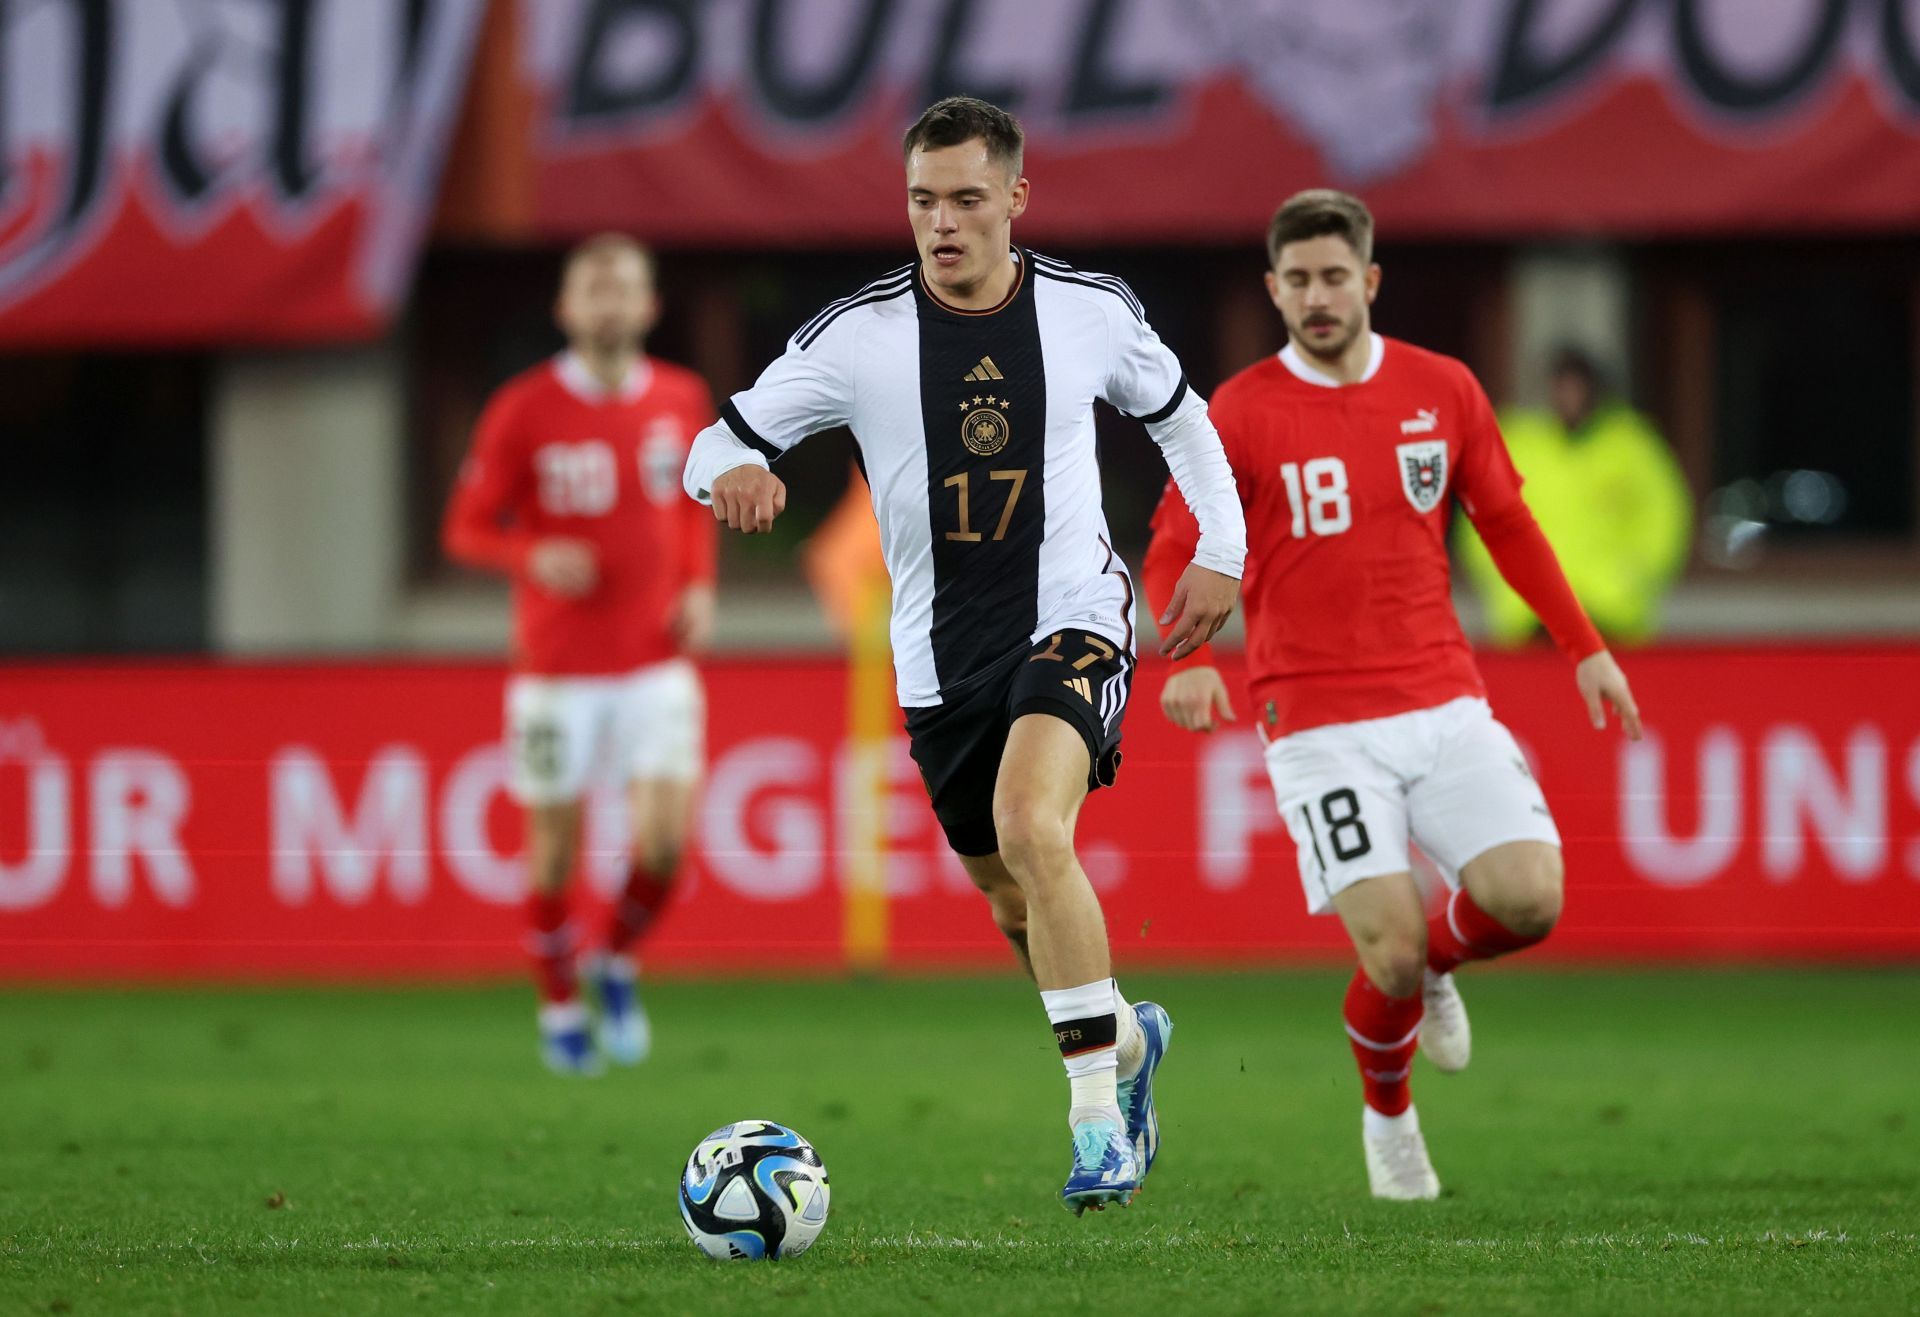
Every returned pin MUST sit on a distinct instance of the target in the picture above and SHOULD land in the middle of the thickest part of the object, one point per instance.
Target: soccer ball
(754, 1189)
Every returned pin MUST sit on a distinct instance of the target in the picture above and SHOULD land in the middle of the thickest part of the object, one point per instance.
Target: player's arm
(1194, 697)
(1489, 491)
(477, 530)
(1146, 382)
(807, 390)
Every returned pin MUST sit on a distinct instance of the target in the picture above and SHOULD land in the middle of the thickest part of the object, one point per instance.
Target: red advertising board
(206, 820)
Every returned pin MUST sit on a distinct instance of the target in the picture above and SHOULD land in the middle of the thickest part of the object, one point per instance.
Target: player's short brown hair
(1316, 213)
(960, 119)
(602, 245)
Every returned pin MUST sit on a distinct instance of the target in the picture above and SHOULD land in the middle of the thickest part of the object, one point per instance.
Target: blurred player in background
(1609, 497)
(572, 490)
(968, 379)
(1347, 448)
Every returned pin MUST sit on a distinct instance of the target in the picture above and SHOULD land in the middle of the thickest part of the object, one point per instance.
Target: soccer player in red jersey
(1349, 450)
(572, 489)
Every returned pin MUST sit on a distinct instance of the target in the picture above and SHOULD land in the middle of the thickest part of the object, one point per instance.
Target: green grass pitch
(1623, 1143)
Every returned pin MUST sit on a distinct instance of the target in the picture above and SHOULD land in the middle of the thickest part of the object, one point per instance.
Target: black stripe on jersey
(1125, 299)
(738, 424)
(862, 291)
(1154, 418)
(1111, 282)
(986, 478)
(878, 291)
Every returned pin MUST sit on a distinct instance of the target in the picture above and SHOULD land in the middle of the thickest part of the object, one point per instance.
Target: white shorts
(566, 733)
(1450, 779)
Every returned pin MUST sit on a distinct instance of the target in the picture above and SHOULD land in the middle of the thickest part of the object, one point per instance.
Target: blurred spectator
(1605, 488)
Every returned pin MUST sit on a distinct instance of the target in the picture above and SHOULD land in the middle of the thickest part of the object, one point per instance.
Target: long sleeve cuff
(716, 450)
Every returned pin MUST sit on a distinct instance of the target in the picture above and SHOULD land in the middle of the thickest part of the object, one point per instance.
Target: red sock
(1384, 1032)
(639, 903)
(1462, 931)
(550, 943)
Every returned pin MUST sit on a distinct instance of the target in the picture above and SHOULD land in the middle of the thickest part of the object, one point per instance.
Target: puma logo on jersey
(1425, 421)
(985, 370)
(1079, 686)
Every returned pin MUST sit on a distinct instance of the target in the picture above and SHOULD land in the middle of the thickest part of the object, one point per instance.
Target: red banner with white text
(779, 121)
(337, 821)
(220, 172)
(261, 170)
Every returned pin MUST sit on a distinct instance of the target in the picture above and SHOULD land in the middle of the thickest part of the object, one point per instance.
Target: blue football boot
(1104, 1167)
(566, 1042)
(625, 1034)
(1136, 1094)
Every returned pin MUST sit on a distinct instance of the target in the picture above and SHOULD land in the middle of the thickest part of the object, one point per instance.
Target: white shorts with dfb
(1450, 779)
(566, 733)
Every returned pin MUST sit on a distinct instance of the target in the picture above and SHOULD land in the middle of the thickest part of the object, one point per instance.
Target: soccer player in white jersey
(968, 380)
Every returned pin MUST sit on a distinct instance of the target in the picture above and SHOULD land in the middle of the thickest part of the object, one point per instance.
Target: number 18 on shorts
(1449, 779)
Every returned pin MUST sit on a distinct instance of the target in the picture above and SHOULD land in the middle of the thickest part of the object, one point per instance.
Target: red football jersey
(1348, 491)
(557, 453)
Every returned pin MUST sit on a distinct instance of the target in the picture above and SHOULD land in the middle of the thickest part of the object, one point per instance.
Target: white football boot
(625, 1034)
(1445, 1035)
(1397, 1163)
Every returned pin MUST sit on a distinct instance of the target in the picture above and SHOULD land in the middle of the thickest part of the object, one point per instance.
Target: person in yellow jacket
(1605, 488)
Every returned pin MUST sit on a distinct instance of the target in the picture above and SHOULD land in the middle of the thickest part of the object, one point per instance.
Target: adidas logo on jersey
(1079, 686)
(984, 369)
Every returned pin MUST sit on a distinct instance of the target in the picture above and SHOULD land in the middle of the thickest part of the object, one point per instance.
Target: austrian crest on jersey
(1423, 472)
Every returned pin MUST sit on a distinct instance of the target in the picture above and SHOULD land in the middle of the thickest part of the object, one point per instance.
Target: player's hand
(1600, 679)
(1195, 700)
(692, 621)
(1201, 604)
(563, 566)
(748, 498)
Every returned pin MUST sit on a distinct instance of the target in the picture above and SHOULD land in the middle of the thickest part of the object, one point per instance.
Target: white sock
(1132, 1050)
(558, 1015)
(1087, 1012)
(1375, 1124)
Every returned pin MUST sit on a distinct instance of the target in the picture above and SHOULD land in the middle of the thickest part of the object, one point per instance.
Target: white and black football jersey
(976, 433)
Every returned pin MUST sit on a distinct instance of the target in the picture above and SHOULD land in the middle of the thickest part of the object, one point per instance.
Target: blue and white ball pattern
(754, 1189)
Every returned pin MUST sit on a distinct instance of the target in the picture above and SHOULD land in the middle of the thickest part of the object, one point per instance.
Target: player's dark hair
(1316, 213)
(608, 244)
(960, 119)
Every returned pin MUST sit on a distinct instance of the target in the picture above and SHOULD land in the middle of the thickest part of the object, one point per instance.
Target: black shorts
(1074, 675)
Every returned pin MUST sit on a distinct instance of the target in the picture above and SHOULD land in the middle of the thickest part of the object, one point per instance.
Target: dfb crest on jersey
(984, 430)
(1423, 472)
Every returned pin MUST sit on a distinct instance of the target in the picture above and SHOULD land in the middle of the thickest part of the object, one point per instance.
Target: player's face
(1572, 397)
(607, 302)
(1323, 293)
(962, 204)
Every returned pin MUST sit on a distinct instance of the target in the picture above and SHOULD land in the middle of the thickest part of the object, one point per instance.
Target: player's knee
(1009, 912)
(1004, 898)
(1032, 841)
(549, 861)
(1532, 894)
(660, 857)
(1398, 972)
(1395, 960)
